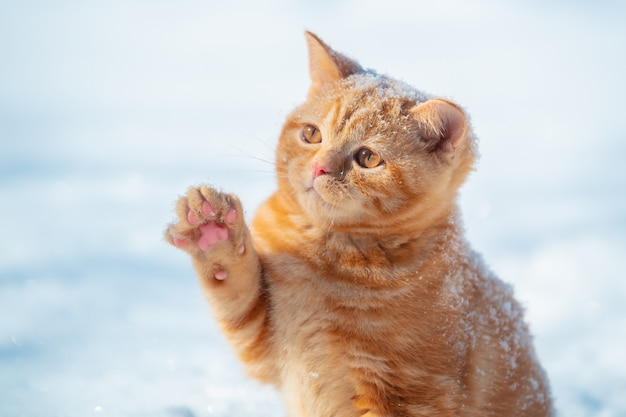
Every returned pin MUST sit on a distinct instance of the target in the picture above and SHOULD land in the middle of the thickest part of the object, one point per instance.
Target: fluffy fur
(355, 293)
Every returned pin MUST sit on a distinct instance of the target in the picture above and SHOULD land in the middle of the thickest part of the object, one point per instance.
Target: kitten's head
(367, 150)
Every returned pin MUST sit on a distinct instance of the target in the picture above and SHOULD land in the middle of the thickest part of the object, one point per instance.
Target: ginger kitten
(354, 292)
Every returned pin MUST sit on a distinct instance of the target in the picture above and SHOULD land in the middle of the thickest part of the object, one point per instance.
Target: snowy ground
(109, 110)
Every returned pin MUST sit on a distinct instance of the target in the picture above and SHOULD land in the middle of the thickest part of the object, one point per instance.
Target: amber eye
(311, 134)
(367, 158)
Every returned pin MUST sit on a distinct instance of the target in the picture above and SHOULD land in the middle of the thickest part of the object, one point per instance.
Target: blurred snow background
(109, 110)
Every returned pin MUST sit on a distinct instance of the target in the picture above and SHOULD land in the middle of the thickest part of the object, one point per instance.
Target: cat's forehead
(382, 88)
(371, 97)
(368, 104)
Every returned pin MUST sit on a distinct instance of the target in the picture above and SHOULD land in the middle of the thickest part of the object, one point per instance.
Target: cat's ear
(326, 65)
(441, 124)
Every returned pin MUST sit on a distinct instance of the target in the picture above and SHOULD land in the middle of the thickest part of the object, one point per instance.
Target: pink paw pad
(221, 275)
(192, 218)
(179, 242)
(210, 234)
(231, 216)
(207, 209)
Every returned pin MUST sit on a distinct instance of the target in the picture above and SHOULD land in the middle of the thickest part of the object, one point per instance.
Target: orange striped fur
(354, 292)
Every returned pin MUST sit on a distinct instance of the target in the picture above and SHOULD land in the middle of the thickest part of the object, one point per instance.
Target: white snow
(110, 110)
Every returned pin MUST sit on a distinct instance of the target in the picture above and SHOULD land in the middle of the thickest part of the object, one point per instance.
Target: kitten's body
(358, 294)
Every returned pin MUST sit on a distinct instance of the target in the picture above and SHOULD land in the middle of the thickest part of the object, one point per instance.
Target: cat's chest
(312, 343)
(330, 330)
(302, 301)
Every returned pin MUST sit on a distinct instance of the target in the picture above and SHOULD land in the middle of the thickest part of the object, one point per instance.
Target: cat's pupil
(367, 158)
(311, 134)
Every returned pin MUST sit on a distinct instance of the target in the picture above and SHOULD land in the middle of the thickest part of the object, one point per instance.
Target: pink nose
(319, 169)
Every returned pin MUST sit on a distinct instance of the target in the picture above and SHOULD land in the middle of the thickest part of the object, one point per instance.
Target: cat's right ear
(326, 65)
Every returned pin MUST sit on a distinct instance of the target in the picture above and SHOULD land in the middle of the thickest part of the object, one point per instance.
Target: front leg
(212, 230)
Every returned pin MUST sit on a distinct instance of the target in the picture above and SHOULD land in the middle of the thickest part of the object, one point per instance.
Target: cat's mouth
(319, 187)
(319, 190)
(334, 194)
(331, 196)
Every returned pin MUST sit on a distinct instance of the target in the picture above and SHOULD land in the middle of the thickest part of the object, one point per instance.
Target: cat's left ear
(442, 125)
(326, 65)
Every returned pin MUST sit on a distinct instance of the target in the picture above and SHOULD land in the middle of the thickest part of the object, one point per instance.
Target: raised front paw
(210, 225)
